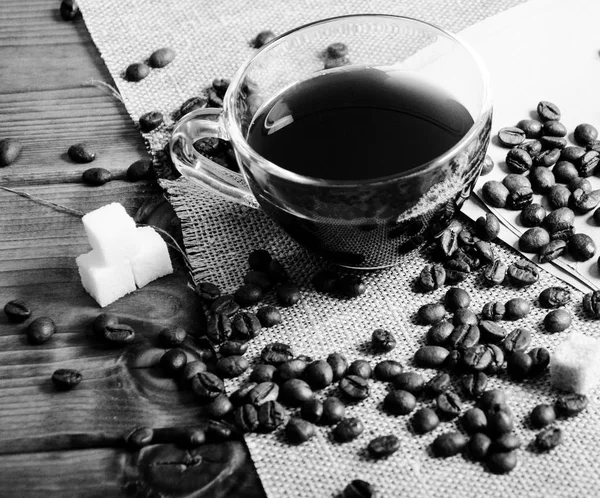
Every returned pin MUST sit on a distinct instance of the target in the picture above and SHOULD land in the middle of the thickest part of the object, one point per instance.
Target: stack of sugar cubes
(123, 256)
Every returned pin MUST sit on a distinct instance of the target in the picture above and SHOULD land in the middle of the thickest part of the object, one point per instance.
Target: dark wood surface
(69, 443)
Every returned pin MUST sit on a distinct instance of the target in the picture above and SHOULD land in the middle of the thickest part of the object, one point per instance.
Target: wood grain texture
(56, 443)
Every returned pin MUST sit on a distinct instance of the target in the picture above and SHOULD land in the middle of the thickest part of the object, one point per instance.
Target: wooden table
(63, 444)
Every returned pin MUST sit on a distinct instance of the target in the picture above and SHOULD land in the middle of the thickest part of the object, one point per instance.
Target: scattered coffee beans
(299, 431)
(570, 404)
(348, 429)
(66, 378)
(81, 153)
(425, 420)
(354, 387)
(17, 310)
(382, 341)
(431, 313)
(10, 149)
(398, 402)
(137, 71)
(449, 444)
(431, 356)
(383, 446)
(542, 416)
(581, 247)
(161, 57)
(41, 330)
(557, 320)
(96, 176)
(548, 439)
(361, 368)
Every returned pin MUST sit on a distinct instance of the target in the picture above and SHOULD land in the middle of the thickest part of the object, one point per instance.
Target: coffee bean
(161, 57)
(150, 121)
(557, 320)
(333, 411)
(412, 382)
(514, 181)
(318, 374)
(488, 227)
(232, 366)
(559, 218)
(192, 104)
(454, 360)
(262, 38)
(531, 127)
(449, 405)
(542, 179)
(487, 165)
(430, 356)
(439, 333)
(387, 370)
(542, 415)
(554, 249)
(532, 147)
(495, 193)
(516, 308)
(540, 359)
(276, 353)
(548, 111)
(520, 198)
(557, 143)
(66, 378)
(358, 489)
(497, 362)
(510, 136)
(456, 298)
(519, 365)
(554, 129)
(399, 402)
(570, 404)
(351, 286)
(584, 202)
(558, 196)
(425, 420)
(173, 361)
(383, 446)
(437, 385)
(518, 161)
(475, 383)
(245, 418)
(549, 157)
(291, 369)
(312, 410)
(248, 295)
(517, 340)
(491, 399)
(431, 313)
(288, 294)
(325, 281)
(463, 336)
(533, 240)
(219, 407)
(338, 364)
(500, 422)
(191, 369)
(361, 368)
(218, 328)
(474, 420)
(259, 259)
(295, 392)
(457, 270)
(522, 274)
(139, 437)
(10, 149)
(17, 310)
(270, 416)
(581, 247)
(96, 176)
(172, 336)
(491, 331)
(298, 430)
(502, 462)
(240, 395)
(548, 439)
(263, 373)
(225, 305)
(464, 316)
(262, 393)
(432, 277)
(588, 163)
(477, 358)
(580, 183)
(493, 311)
(382, 341)
(40, 330)
(137, 71)
(207, 386)
(449, 444)
(354, 387)
(479, 446)
(348, 429)
(269, 316)
(585, 133)
(69, 10)
(447, 243)
(591, 304)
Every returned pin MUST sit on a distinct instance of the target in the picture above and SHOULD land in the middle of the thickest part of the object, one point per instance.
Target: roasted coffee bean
(259, 259)
(173, 361)
(218, 328)
(542, 179)
(531, 127)
(263, 373)
(336, 50)
(565, 171)
(488, 227)
(312, 410)
(140, 170)
(248, 295)
(220, 85)
(348, 429)
(540, 359)
(487, 165)
(432, 277)
(517, 340)
(557, 320)
(41, 330)
(542, 415)
(463, 336)
(501, 462)
(358, 489)
(491, 399)
(448, 405)
(493, 311)
(287, 294)
(262, 38)
(437, 384)
(338, 62)
(519, 365)
(139, 437)
(439, 333)
(494, 273)
(479, 446)
(232, 366)
(383, 446)
(270, 416)
(520, 198)
(558, 196)
(325, 281)
(191, 369)
(225, 305)
(425, 420)
(533, 216)
(591, 304)
(245, 418)
(96, 176)
(532, 147)
(207, 386)
(170, 337)
(453, 361)
(192, 104)
(588, 163)
(559, 218)
(457, 270)
(514, 181)
(430, 356)
(219, 407)
(464, 316)
(295, 392)
(10, 149)
(245, 326)
(449, 444)
(382, 341)
(585, 133)
(412, 382)
(276, 353)
(581, 247)
(292, 369)
(516, 308)
(118, 334)
(510, 136)
(456, 298)
(137, 71)
(431, 313)
(259, 279)
(474, 420)
(490, 331)
(500, 421)
(262, 393)
(548, 438)
(81, 153)
(572, 154)
(552, 250)
(351, 286)
(354, 387)
(482, 251)
(570, 404)
(399, 402)
(318, 374)
(583, 201)
(66, 378)
(269, 316)
(298, 430)
(338, 364)
(150, 121)
(333, 411)
(161, 57)
(477, 358)
(523, 273)
(475, 383)
(207, 291)
(562, 232)
(506, 442)
(240, 395)
(495, 193)
(548, 111)
(548, 157)
(554, 128)
(17, 310)
(361, 368)
(580, 183)
(549, 142)
(497, 362)
(69, 10)
(518, 161)
(386, 370)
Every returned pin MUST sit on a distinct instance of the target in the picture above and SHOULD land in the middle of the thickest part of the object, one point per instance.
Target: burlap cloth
(211, 39)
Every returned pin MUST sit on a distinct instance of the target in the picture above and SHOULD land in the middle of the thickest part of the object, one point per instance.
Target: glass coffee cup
(361, 135)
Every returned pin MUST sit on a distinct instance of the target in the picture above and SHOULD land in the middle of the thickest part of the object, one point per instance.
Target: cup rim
(239, 141)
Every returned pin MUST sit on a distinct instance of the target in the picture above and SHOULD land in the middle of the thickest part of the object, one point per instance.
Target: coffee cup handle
(206, 123)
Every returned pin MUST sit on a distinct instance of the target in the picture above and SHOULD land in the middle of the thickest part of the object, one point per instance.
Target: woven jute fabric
(212, 39)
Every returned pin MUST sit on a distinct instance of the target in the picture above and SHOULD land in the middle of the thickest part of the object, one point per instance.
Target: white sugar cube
(150, 259)
(575, 365)
(110, 231)
(105, 282)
